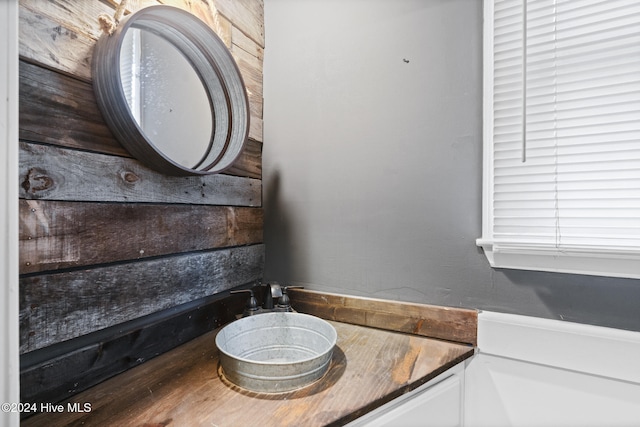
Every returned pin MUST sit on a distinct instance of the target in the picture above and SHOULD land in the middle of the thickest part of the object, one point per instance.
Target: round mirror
(171, 92)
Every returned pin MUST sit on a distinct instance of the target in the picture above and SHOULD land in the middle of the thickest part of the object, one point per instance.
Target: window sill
(595, 262)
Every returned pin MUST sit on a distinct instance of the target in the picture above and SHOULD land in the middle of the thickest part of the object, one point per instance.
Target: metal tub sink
(276, 352)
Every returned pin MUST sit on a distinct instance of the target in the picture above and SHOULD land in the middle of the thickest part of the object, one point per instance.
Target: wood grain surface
(63, 305)
(448, 323)
(183, 387)
(57, 372)
(106, 242)
(61, 34)
(48, 172)
(55, 235)
(62, 110)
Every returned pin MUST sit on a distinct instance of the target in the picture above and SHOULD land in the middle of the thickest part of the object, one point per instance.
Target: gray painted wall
(372, 162)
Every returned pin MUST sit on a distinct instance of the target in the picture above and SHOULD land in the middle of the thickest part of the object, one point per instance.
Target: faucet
(252, 303)
(272, 292)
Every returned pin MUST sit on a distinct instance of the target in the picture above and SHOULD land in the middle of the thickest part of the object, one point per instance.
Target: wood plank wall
(105, 241)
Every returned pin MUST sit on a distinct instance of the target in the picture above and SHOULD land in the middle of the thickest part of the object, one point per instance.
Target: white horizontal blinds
(598, 122)
(580, 185)
(130, 70)
(523, 205)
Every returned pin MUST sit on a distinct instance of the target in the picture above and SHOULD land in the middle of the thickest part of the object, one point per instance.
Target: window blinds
(130, 70)
(564, 128)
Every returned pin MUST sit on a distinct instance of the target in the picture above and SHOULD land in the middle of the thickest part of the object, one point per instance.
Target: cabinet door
(438, 403)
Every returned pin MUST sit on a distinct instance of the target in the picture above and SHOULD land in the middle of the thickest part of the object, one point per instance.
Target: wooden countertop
(182, 387)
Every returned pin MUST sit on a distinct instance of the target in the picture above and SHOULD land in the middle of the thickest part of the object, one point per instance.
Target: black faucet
(275, 300)
(252, 303)
(272, 290)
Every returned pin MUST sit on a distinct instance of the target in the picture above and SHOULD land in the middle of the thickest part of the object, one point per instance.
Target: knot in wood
(36, 180)
(130, 177)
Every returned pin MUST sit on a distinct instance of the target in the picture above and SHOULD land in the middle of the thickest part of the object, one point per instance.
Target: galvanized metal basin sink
(276, 352)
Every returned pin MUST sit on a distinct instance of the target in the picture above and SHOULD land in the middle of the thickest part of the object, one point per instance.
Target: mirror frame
(218, 72)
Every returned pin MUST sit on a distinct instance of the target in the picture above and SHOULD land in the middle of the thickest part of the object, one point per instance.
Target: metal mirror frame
(218, 72)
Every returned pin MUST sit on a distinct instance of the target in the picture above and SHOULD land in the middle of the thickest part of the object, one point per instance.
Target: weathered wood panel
(54, 373)
(58, 109)
(62, 38)
(246, 15)
(205, 11)
(250, 161)
(240, 40)
(59, 174)
(52, 35)
(132, 5)
(224, 29)
(448, 323)
(252, 76)
(56, 235)
(61, 306)
(76, 16)
(84, 278)
(256, 129)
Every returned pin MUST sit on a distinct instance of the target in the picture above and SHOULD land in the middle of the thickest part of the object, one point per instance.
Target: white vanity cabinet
(435, 403)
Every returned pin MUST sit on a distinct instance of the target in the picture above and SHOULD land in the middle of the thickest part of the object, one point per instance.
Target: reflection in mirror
(166, 97)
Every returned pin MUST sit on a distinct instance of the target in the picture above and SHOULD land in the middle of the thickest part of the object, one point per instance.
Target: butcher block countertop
(370, 366)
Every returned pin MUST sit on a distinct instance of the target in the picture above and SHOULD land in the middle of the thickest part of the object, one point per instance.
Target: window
(562, 136)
